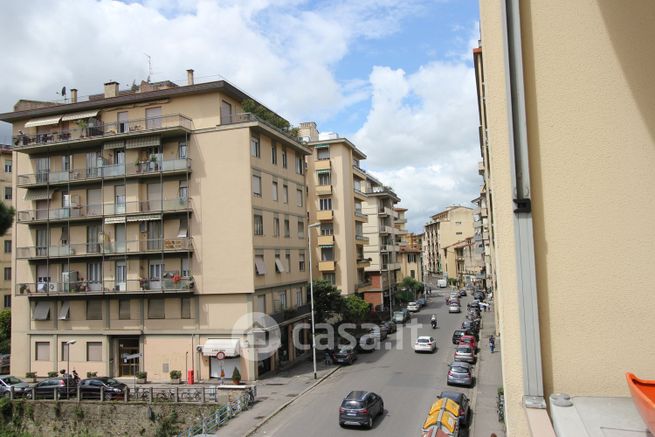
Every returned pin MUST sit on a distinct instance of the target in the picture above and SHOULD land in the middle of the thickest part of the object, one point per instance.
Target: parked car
(8, 381)
(380, 332)
(425, 344)
(469, 340)
(421, 302)
(465, 353)
(457, 333)
(90, 388)
(368, 343)
(360, 408)
(472, 325)
(442, 283)
(413, 307)
(479, 295)
(345, 355)
(391, 326)
(464, 406)
(460, 373)
(401, 316)
(65, 386)
(453, 307)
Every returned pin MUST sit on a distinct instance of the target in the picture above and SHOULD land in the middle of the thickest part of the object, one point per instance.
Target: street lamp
(311, 293)
(68, 359)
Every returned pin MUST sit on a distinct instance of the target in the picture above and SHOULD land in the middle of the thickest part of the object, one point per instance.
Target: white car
(413, 307)
(425, 344)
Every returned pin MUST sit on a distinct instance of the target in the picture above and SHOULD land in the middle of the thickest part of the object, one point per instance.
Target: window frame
(257, 185)
(258, 224)
(94, 344)
(255, 147)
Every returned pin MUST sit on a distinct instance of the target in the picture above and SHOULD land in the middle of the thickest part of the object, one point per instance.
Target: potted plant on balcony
(141, 377)
(176, 375)
(236, 376)
(83, 125)
(30, 376)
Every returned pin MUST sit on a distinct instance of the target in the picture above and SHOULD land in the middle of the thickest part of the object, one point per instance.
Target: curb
(263, 422)
(474, 396)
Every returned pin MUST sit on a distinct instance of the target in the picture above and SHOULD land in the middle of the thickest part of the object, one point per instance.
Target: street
(408, 382)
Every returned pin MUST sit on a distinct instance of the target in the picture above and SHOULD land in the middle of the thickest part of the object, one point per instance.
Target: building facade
(6, 188)
(153, 224)
(444, 229)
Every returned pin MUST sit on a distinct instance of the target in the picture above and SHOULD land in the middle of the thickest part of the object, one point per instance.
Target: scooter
(434, 324)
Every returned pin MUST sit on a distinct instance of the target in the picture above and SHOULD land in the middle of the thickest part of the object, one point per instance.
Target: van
(442, 283)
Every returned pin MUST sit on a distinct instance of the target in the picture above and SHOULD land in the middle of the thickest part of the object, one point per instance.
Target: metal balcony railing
(173, 284)
(283, 315)
(98, 129)
(106, 248)
(246, 117)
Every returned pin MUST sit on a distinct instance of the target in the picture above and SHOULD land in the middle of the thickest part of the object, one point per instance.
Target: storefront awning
(43, 121)
(143, 218)
(38, 194)
(136, 143)
(79, 115)
(229, 346)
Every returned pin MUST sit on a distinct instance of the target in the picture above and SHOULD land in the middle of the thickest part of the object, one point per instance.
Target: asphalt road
(408, 382)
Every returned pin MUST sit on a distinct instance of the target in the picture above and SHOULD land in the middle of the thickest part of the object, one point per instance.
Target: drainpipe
(533, 391)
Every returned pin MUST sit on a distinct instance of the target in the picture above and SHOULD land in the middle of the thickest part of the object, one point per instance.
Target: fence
(223, 414)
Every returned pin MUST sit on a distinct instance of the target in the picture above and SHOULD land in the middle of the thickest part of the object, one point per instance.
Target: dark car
(464, 407)
(8, 381)
(460, 373)
(90, 388)
(360, 408)
(479, 295)
(462, 292)
(391, 326)
(459, 332)
(65, 387)
(345, 355)
(471, 325)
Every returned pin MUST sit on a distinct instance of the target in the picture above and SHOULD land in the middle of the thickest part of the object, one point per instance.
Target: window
(42, 351)
(412, 273)
(257, 185)
(7, 246)
(288, 264)
(153, 118)
(260, 303)
(94, 351)
(327, 254)
(301, 261)
(124, 312)
(324, 178)
(299, 296)
(285, 193)
(285, 162)
(7, 301)
(8, 165)
(260, 266)
(183, 230)
(8, 193)
(182, 151)
(276, 227)
(254, 147)
(287, 229)
(301, 229)
(64, 350)
(299, 197)
(279, 268)
(123, 124)
(325, 204)
(259, 224)
(41, 311)
(283, 300)
(330, 277)
(185, 307)
(273, 154)
(7, 273)
(300, 164)
(322, 153)
(184, 190)
(226, 112)
(184, 268)
(94, 276)
(274, 191)
(327, 229)
(156, 308)
(94, 310)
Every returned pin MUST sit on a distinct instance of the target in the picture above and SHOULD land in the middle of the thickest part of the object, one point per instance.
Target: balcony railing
(106, 248)
(139, 168)
(359, 213)
(108, 209)
(360, 191)
(246, 117)
(360, 237)
(291, 313)
(101, 130)
(172, 284)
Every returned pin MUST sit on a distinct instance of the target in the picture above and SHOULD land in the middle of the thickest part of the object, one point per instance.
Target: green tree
(255, 108)
(327, 300)
(355, 309)
(6, 218)
(412, 285)
(404, 296)
(5, 330)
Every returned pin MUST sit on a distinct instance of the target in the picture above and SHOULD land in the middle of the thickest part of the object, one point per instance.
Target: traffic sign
(220, 355)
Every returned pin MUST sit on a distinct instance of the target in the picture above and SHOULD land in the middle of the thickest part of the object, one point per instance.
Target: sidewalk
(274, 393)
(489, 378)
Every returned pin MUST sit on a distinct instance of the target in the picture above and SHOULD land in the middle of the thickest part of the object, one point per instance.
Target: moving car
(453, 307)
(413, 307)
(460, 373)
(345, 355)
(8, 381)
(65, 387)
(425, 344)
(464, 407)
(360, 408)
(469, 340)
(90, 388)
(465, 353)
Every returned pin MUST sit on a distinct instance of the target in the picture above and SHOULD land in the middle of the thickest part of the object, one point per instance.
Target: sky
(395, 77)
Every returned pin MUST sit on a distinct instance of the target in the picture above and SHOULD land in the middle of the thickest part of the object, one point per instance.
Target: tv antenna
(149, 66)
(62, 93)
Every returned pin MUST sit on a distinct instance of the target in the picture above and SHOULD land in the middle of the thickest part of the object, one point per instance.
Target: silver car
(453, 307)
(460, 373)
(465, 353)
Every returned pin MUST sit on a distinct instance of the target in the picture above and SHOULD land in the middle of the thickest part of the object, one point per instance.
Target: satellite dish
(63, 91)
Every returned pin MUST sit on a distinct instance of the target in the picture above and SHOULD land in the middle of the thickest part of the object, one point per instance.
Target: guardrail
(222, 415)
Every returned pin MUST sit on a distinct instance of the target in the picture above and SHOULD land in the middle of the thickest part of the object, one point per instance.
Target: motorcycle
(434, 324)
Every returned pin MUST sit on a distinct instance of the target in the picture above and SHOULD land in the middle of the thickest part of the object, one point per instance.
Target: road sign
(220, 355)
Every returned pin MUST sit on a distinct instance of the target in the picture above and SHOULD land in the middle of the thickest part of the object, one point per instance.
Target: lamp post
(311, 293)
(68, 362)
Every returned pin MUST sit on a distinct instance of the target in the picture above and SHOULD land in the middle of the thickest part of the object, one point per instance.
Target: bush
(142, 375)
(91, 374)
(236, 376)
(30, 375)
(52, 374)
(175, 374)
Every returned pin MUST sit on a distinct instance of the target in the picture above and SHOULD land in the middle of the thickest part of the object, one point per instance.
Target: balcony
(326, 266)
(481, 168)
(298, 312)
(359, 239)
(175, 284)
(323, 190)
(400, 220)
(384, 211)
(108, 248)
(64, 139)
(324, 215)
(325, 240)
(363, 262)
(360, 216)
(477, 224)
(390, 266)
(386, 229)
(322, 164)
(86, 175)
(84, 212)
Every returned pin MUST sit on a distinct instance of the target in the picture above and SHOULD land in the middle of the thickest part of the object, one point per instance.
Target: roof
(357, 394)
(356, 151)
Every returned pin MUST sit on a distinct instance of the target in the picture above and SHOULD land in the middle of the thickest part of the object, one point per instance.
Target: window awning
(43, 121)
(80, 115)
(136, 143)
(324, 171)
(229, 346)
(112, 220)
(278, 264)
(143, 218)
(183, 232)
(114, 145)
(260, 266)
(41, 311)
(39, 194)
(65, 311)
(321, 146)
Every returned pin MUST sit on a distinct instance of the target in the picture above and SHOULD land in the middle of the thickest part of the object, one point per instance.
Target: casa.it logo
(265, 334)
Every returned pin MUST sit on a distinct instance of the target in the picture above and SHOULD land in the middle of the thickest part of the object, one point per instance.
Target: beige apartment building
(337, 193)
(567, 96)
(6, 189)
(444, 229)
(409, 255)
(469, 261)
(152, 224)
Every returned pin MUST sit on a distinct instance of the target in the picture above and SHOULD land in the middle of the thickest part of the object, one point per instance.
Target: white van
(442, 283)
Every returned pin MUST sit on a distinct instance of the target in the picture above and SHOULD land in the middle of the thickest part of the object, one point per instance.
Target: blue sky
(395, 77)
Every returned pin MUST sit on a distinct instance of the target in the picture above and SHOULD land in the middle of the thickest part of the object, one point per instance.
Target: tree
(6, 218)
(355, 309)
(411, 285)
(405, 296)
(255, 108)
(5, 330)
(327, 300)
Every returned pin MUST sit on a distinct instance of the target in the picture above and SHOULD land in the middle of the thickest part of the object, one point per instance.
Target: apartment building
(469, 261)
(483, 236)
(337, 193)
(444, 229)
(409, 254)
(566, 97)
(6, 189)
(151, 224)
(430, 253)
(382, 247)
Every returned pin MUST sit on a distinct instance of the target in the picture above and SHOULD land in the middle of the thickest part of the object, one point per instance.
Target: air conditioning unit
(52, 286)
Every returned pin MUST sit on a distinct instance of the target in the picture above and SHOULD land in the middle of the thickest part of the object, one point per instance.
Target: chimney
(111, 89)
(189, 76)
(73, 95)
